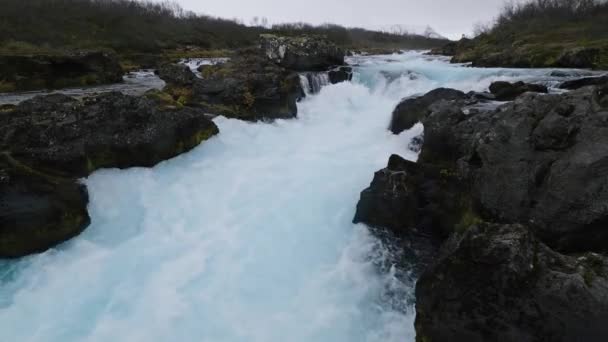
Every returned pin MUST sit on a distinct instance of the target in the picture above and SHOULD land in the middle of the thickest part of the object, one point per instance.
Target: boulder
(584, 82)
(505, 91)
(37, 210)
(580, 58)
(497, 282)
(58, 71)
(340, 74)
(75, 138)
(302, 53)
(176, 74)
(410, 111)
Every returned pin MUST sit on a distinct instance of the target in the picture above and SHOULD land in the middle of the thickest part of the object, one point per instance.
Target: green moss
(6, 87)
(162, 98)
(469, 218)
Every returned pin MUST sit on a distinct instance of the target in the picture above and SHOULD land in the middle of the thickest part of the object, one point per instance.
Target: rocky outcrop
(520, 193)
(58, 71)
(410, 111)
(248, 87)
(499, 283)
(302, 53)
(506, 91)
(48, 142)
(584, 82)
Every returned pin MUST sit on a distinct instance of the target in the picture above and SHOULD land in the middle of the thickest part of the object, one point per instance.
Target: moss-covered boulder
(37, 210)
(31, 72)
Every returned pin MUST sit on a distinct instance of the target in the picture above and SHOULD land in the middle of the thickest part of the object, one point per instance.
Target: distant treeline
(538, 15)
(139, 26)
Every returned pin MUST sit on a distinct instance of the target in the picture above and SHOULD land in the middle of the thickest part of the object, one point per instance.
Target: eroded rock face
(506, 91)
(303, 53)
(50, 141)
(58, 71)
(499, 283)
(410, 111)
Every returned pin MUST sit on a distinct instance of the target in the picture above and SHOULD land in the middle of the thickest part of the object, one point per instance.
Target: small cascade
(305, 84)
(312, 82)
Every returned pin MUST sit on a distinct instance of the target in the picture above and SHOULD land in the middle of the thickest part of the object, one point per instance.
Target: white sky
(450, 18)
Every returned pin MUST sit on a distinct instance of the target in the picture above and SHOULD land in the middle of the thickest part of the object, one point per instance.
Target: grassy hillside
(128, 26)
(543, 33)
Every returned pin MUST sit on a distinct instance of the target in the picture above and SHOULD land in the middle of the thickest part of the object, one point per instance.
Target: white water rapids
(246, 238)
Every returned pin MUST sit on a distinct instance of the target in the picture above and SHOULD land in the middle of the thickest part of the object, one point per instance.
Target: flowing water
(246, 238)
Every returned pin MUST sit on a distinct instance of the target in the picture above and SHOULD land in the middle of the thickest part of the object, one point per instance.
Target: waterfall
(312, 82)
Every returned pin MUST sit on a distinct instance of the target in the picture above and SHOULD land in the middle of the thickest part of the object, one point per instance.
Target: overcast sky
(451, 18)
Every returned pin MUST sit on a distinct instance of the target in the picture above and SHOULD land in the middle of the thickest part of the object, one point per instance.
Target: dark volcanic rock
(303, 53)
(37, 210)
(58, 71)
(412, 110)
(499, 283)
(505, 91)
(584, 82)
(75, 138)
(340, 74)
